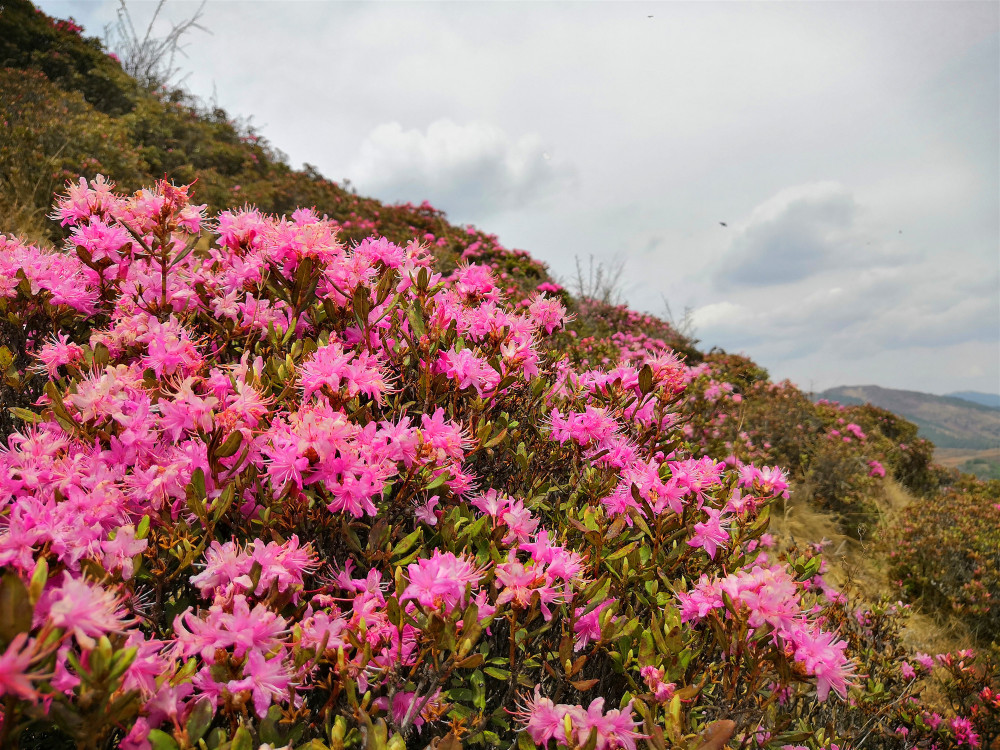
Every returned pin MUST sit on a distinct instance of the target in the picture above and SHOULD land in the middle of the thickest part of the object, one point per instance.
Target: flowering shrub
(32, 39)
(947, 552)
(837, 454)
(282, 490)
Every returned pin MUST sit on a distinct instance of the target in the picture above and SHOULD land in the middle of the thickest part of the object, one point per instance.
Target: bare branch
(600, 283)
(148, 58)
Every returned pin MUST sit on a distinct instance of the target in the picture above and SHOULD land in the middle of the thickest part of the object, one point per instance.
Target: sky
(819, 183)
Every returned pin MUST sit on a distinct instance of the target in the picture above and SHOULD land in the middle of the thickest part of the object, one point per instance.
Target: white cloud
(799, 232)
(473, 170)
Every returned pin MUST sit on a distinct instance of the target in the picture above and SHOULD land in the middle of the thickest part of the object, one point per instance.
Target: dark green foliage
(947, 552)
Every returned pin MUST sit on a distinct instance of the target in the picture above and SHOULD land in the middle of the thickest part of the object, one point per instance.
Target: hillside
(290, 467)
(69, 111)
(948, 422)
(978, 397)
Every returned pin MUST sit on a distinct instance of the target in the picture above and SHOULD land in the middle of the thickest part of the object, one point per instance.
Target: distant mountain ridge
(947, 421)
(978, 397)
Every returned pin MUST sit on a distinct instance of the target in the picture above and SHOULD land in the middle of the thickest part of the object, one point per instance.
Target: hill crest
(947, 421)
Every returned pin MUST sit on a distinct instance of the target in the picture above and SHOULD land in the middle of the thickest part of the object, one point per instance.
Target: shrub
(946, 551)
(279, 490)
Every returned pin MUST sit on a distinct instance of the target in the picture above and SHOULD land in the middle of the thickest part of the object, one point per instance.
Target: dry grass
(861, 563)
(955, 457)
(26, 221)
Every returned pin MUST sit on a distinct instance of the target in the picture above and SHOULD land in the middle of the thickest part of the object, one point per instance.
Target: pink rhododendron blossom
(279, 470)
(709, 534)
(544, 720)
(441, 580)
(876, 469)
(85, 609)
(15, 664)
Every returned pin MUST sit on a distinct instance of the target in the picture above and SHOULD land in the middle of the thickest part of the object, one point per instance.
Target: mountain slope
(977, 397)
(947, 422)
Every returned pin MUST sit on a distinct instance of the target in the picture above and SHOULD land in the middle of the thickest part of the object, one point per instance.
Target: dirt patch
(955, 457)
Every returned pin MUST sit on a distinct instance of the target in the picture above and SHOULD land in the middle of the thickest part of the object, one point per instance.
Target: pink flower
(425, 511)
(544, 721)
(709, 534)
(170, 349)
(615, 729)
(137, 737)
(469, 371)
(547, 313)
(662, 691)
(441, 580)
(518, 583)
(268, 679)
(86, 610)
(118, 553)
(353, 373)
(443, 436)
(965, 733)
(14, 664)
(520, 523)
(824, 658)
(57, 353)
(588, 626)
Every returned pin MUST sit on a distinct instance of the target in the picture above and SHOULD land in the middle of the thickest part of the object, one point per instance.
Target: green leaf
(26, 415)
(415, 314)
(122, 661)
(160, 740)
(647, 651)
(15, 607)
(406, 543)
(303, 272)
(646, 379)
(495, 440)
(385, 285)
(101, 356)
(231, 445)
(38, 580)
(200, 720)
(438, 481)
(242, 740)
(497, 674)
(57, 405)
(362, 305)
(470, 662)
(620, 553)
(198, 484)
(223, 502)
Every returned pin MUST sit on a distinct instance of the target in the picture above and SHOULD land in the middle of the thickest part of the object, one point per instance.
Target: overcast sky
(853, 150)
